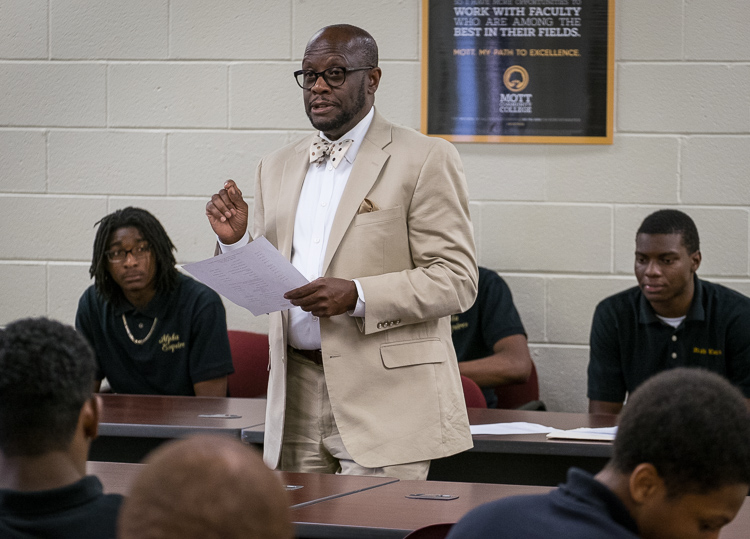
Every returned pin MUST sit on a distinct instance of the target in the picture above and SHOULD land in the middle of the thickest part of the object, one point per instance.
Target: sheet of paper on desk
(603, 434)
(255, 276)
(516, 427)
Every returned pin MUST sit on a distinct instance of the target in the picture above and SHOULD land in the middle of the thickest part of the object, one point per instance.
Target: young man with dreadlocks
(154, 330)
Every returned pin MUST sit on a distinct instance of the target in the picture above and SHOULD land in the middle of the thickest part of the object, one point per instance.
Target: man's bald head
(205, 487)
(353, 39)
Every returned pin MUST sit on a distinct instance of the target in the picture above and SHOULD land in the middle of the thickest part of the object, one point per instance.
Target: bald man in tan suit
(363, 375)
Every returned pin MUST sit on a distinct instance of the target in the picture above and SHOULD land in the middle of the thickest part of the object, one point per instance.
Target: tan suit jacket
(392, 376)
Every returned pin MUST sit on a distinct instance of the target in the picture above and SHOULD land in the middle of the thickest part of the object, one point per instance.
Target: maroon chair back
(515, 395)
(431, 531)
(472, 393)
(250, 359)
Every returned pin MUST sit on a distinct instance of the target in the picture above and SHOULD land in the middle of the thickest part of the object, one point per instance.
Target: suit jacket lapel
(365, 171)
(292, 177)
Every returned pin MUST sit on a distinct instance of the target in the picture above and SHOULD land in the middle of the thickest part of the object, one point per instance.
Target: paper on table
(255, 276)
(603, 434)
(516, 427)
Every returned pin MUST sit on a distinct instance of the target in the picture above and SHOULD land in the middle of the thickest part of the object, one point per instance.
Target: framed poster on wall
(529, 71)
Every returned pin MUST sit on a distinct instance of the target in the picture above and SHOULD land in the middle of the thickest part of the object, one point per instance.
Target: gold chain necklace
(138, 341)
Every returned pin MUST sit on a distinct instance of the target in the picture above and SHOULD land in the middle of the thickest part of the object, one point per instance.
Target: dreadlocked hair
(161, 248)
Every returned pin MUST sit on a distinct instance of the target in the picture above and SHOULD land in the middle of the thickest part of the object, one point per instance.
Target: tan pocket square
(367, 206)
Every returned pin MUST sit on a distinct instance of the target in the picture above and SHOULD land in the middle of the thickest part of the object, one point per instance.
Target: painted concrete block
(107, 162)
(167, 95)
(392, 23)
(66, 284)
(52, 95)
(109, 29)
(528, 297)
(647, 30)
(63, 226)
(23, 29)
(505, 171)
(562, 376)
(716, 31)
(634, 169)
(230, 29)
(24, 292)
(265, 95)
(200, 162)
(527, 237)
(398, 97)
(571, 302)
(715, 170)
(677, 99)
(23, 159)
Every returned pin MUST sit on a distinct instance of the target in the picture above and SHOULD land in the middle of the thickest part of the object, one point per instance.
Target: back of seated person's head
(205, 487)
(688, 430)
(46, 376)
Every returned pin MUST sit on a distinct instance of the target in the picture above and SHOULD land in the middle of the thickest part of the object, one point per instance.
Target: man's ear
(90, 413)
(695, 259)
(645, 484)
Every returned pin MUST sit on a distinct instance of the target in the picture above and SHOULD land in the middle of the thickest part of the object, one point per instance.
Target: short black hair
(162, 250)
(692, 425)
(46, 375)
(672, 222)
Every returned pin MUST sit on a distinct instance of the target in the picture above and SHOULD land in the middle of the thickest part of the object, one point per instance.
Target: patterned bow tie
(320, 148)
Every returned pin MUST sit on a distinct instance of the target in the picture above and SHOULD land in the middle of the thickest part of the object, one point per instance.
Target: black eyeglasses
(334, 76)
(118, 256)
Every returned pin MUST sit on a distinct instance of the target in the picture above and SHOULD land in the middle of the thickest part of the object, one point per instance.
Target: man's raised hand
(227, 213)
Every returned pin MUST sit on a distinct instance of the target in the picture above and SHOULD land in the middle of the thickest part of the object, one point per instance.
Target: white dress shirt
(318, 202)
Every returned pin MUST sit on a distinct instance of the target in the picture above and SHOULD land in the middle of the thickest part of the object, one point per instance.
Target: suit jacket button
(380, 325)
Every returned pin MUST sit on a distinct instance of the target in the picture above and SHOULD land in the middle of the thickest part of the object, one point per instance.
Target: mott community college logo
(516, 78)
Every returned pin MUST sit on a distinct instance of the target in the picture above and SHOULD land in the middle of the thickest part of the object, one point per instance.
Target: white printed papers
(255, 276)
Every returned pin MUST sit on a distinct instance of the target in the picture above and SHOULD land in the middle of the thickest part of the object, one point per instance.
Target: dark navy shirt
(79, 510)
(492, 317)
(189, 343)
(629, 344)
(582, 508)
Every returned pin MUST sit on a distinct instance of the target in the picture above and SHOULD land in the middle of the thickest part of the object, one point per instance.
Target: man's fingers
(233, 190)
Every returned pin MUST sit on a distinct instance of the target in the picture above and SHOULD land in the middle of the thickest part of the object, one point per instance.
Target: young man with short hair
(680, 469)
(671, 319)
(48, 418)
(153, 329)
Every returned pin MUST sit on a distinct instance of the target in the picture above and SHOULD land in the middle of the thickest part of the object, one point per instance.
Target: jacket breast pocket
(375, 217)
(408, 353)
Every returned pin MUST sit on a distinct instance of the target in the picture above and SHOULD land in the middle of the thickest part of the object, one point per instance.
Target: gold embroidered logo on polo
(170, 342)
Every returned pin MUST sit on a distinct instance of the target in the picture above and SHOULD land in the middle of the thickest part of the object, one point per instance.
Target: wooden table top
(538, 443)
(117, 477)
(333, 506)
(518, 443)
(386, 512)
(156, 416)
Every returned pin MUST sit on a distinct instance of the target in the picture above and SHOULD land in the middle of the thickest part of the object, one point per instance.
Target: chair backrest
(472, 393)
(431, 531)
(515, 395)
(250, 359)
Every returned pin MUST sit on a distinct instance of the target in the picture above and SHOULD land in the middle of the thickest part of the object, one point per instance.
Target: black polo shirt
(629, 344)
(189, 343)
(79, 510)
(492, 317)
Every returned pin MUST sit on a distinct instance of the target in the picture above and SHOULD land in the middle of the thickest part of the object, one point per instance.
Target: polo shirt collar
(646, 314)
(156, 308)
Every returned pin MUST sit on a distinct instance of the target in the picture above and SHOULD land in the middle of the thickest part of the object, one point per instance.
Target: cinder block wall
(155, 103)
